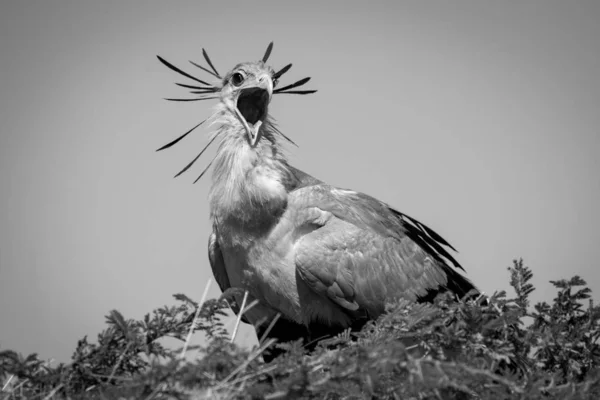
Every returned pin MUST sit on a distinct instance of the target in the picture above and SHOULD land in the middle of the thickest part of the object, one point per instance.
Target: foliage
(472, 348)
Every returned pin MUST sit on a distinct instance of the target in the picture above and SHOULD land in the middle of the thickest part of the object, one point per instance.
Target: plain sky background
(481, 119)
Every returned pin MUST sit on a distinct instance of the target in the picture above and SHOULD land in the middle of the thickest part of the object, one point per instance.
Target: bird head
(244, 95)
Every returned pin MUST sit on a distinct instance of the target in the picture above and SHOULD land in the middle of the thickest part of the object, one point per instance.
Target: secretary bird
(316, 258)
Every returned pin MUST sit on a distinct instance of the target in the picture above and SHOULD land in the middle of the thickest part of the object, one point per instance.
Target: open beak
(251, 106)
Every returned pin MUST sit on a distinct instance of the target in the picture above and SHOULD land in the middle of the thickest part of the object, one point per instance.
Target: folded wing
(361, 254)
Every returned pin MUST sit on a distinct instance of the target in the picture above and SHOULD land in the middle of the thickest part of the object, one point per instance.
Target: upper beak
(251, 106)
(265, 82)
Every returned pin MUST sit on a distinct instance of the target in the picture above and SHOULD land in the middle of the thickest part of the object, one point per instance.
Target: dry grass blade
(243, 366)
(280, 394)
(493, 376)
(254, 374)
(7, 382)
(271, 325)
(116, 378)
(53, 392)
(189, 336)
(157, 389)
(250, 306)
(20, 385)
(239, 317)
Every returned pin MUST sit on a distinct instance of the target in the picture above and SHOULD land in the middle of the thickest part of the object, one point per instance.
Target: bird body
(257, 223)
(318, 255)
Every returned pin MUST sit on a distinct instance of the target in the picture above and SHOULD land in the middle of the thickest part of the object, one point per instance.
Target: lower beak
(252, 132)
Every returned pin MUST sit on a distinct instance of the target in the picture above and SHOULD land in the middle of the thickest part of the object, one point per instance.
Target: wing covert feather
(359, 253)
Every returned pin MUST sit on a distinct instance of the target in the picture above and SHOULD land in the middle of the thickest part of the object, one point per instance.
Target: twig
(119, 361)
(189, 336)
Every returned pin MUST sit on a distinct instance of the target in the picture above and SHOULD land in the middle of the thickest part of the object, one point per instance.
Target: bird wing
(217, 264)
(284, 330)
(360, 253)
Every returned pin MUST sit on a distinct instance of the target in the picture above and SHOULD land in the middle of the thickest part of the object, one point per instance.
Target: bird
(316, 259)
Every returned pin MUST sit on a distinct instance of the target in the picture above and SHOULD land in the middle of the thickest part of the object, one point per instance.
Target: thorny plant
(469, 349)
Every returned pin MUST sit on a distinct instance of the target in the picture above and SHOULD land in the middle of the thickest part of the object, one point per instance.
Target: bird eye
(237, 79)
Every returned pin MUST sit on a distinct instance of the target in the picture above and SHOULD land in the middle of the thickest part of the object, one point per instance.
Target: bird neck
(248, 183)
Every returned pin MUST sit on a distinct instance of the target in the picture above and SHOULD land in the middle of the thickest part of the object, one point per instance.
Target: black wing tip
(430, 240)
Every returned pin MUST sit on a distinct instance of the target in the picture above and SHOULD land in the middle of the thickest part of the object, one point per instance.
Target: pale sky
(478, 118)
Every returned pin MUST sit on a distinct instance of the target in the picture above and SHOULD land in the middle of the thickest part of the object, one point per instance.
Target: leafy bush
(476, 348)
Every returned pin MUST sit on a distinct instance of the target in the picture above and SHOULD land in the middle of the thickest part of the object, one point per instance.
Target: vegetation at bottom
(496, 347)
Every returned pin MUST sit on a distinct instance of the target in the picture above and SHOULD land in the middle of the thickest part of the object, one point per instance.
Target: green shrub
(478, 348)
